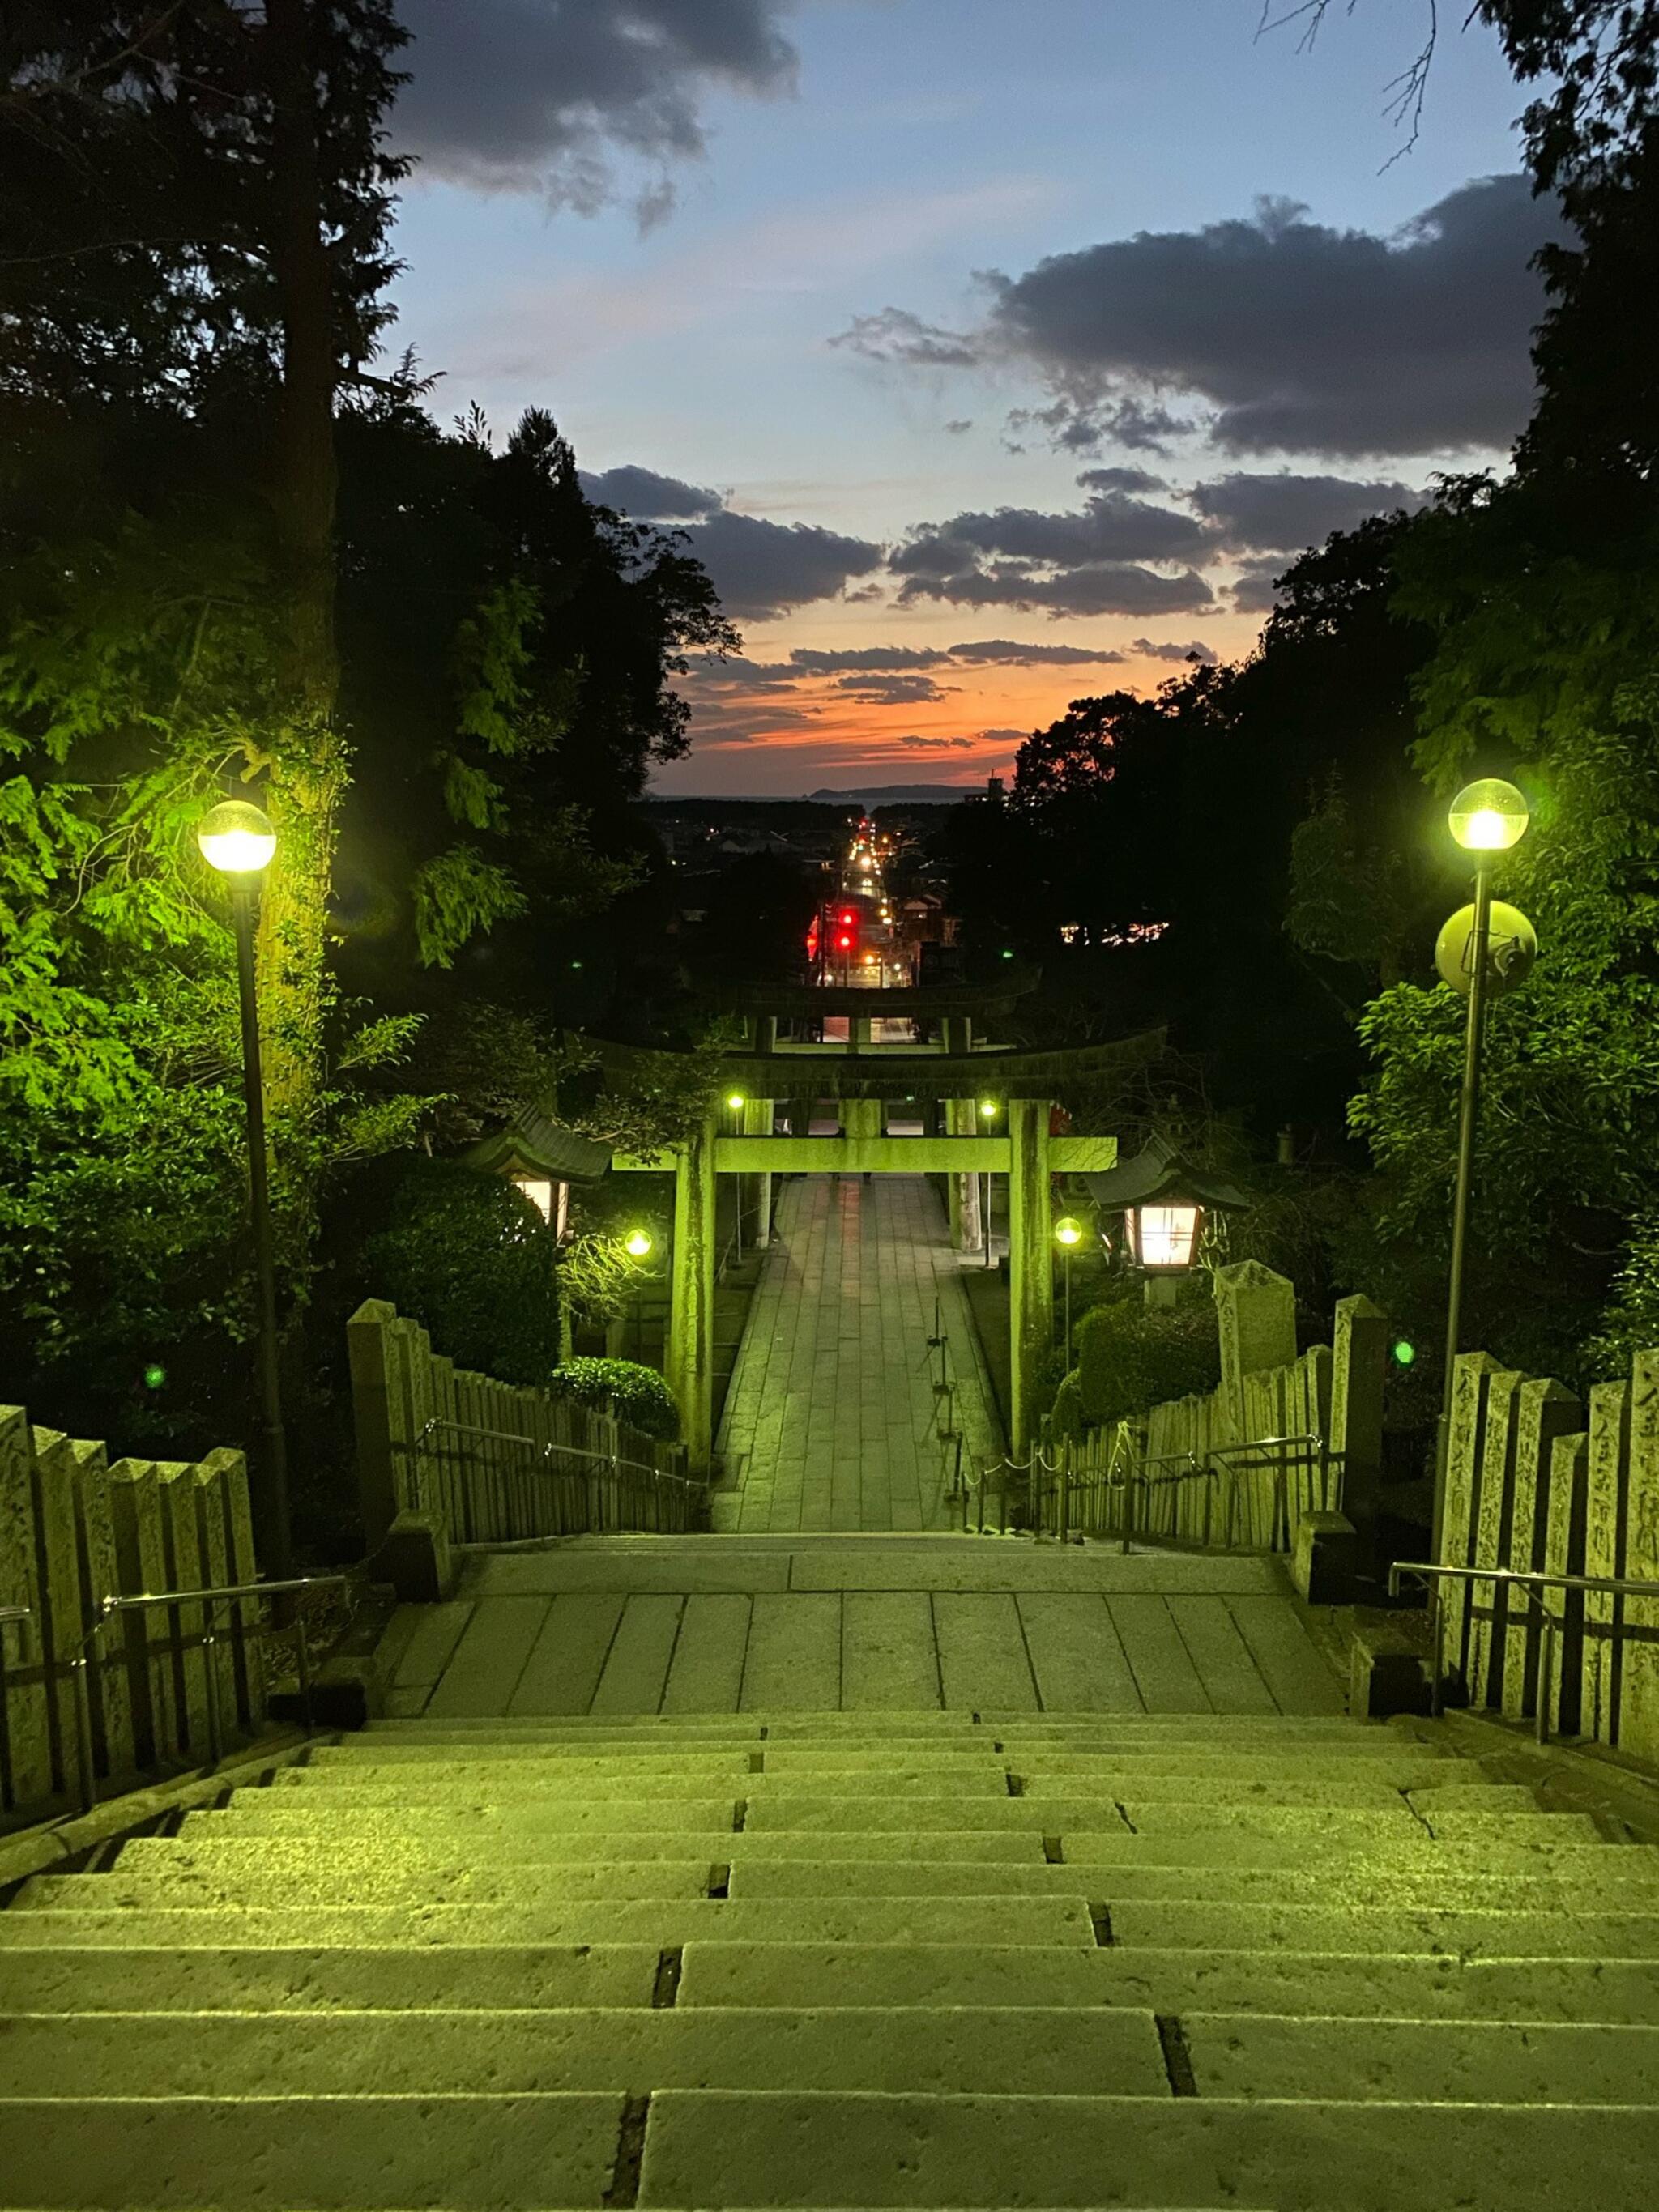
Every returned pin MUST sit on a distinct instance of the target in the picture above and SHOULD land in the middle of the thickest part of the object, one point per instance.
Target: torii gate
(859, 1076)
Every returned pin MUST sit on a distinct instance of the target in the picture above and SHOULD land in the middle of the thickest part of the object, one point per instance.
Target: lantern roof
(533, 1144)
(1161, 1172)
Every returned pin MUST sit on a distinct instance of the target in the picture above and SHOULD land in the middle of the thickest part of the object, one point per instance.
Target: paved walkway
(729, 1623)
(831, 1420)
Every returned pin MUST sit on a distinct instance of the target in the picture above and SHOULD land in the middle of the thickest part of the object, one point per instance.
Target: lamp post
(988, 1114)
(236, 838)
(1486, 817)
(1068, 1235)
(637, 1245)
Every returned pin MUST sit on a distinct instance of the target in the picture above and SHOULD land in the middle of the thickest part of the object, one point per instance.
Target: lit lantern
(1163, 1198)
(1163, 1237)
(539, 1189)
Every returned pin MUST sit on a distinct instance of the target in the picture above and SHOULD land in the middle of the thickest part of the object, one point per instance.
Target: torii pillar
(1031, 1265)
(689, 1355)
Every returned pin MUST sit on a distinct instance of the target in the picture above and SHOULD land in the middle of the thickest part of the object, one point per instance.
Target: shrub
(638, 1394)
(469, 1257)
(1132, 1357)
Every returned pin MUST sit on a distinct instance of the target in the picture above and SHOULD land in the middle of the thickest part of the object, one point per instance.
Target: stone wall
(1538, 1481)
(491, 1462)
(73, 1529)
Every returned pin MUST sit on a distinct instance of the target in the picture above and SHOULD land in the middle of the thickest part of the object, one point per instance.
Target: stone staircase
(845, 1959)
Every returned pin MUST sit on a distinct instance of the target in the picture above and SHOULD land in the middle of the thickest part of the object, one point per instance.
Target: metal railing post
(302, 1668)
(1545, 1669)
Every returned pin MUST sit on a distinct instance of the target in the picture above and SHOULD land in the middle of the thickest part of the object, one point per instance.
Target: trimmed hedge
(1132, 1357)
(638, 1394)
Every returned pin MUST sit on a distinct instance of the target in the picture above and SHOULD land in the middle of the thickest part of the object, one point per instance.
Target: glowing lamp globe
(236, 837)
(637, 1243)
(1511, 949)
(1163, 1237)
(736, 1101)
(1488, 817)
(987, 1109)
(1069, 1231)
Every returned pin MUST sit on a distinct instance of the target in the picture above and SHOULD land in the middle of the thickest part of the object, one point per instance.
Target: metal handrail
(548, 1451)
(219, 1595)
(1531, 1583)
(15, 1612)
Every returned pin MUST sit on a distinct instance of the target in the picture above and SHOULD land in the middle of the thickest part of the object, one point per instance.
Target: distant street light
(237, 838)
(637, 1243)
(1482, 950)
(1068, 1235)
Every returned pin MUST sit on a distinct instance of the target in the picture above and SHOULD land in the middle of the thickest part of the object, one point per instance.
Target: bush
(469, 1257)
(1132, 1357)
(638, 1394)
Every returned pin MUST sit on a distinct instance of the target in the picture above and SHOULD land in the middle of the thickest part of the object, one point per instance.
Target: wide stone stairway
(946, 1958)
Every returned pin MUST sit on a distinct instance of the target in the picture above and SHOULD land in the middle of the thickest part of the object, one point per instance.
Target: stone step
(667, 1922)
(511, 1831)
(932, 2050)
(750, 2150)
(357, 1978)
(184, 1879)
(1434, 2061)
(281, 1870)
(1620, 1933)
(1225, 1729)
(922, 1798)
(479, 2154)
(1173, 1982)
(524, 1834)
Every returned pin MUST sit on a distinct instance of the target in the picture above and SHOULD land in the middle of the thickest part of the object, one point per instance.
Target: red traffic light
(845, 944)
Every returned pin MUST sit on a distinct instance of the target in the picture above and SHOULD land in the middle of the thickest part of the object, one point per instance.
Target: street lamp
(637, 1244)
(1068, 1235)
(236, 838)
(1482, 950)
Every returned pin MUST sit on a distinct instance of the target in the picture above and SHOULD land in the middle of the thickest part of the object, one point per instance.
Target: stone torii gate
(859, 1078)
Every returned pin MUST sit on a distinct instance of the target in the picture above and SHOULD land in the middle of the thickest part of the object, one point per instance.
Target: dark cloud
(1014, 654)
(815, 660)
(937, 745)
(1086, 561)
(538, 96)
(1121, 480)
(1253, 593)
(891, 691)
(761, 568)
(651, 498)
(1197, 650)
(962, 422)
(758, 568)
(895, 335)
(1078, 428)
(1286, 514)
(1302, 338)
(1007, 736)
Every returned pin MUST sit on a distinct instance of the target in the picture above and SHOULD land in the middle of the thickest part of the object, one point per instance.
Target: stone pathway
(831, 1421)
(769, 1624)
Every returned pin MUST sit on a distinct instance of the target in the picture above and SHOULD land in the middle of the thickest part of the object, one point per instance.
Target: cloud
(938, 744)
(1003, 737)
(1253, 593)
(1121, 480)
(962, 422)
(891, 691)
(1085, 561)
(1301, 336)
(1287, 513)
(893, 335)
(1194, 651)
(539, 95)
(759, 568)
(1014, 654)
(815, 660)
(651, 498)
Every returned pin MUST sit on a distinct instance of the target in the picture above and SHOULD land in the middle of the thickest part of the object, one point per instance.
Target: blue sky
(911, 145)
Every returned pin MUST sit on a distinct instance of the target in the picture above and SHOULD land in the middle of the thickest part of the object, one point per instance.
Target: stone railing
(1285, 1455)
(449, 1457)
(1535, 1483)
(75, 1531)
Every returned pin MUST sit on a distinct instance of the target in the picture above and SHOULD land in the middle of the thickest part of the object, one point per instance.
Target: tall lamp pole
(1068, 1235)
(1485, 817)
(236, 838)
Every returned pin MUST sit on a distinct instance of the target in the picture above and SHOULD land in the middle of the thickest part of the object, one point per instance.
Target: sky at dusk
(994, 353)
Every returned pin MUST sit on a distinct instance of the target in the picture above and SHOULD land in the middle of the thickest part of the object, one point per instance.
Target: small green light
(987, 1109)
(1404, 1351)
(736, 1101)
(637, 1243)
(1007, 953)
(576, 963)
(155, 1375)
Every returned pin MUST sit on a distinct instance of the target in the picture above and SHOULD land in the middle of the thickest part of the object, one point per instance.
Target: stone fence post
(1255, 1319)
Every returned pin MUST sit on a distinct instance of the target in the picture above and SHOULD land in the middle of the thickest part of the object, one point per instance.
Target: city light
(236, 838)
(1489, 816)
